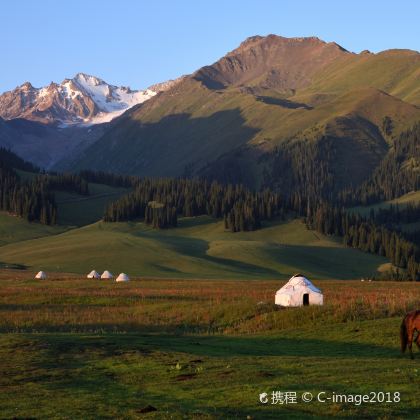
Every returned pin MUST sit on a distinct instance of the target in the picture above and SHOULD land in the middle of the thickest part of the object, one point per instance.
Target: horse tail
(403, 336)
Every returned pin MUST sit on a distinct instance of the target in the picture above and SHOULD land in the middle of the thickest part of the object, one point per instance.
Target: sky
(139, 43)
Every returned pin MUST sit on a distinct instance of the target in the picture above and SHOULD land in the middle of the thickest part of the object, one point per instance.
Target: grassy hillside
(199, 248)
(393, 71)
(14, 229)
(204, 349)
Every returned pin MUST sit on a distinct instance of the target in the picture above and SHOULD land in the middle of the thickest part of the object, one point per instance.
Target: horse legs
(410, 344)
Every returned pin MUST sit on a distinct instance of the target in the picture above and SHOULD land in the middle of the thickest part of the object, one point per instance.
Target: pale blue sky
(138, 43)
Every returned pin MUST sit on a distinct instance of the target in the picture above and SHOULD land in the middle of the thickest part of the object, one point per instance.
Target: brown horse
(410, 324)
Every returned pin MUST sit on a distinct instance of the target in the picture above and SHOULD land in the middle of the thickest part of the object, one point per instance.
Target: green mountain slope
(268, 91)
(393, 71)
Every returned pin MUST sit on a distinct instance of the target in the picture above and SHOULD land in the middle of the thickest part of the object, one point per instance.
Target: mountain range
(45, 124)
(82, 100)
(226, 120)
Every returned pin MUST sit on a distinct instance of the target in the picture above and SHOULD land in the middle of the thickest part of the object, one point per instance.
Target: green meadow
(176, 349)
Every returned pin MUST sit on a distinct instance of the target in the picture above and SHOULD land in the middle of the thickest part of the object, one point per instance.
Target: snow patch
(112, 100)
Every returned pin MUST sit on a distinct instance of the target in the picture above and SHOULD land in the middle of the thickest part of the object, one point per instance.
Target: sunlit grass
(193, 306)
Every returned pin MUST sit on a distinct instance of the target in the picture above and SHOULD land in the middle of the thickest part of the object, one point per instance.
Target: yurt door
(305, 299)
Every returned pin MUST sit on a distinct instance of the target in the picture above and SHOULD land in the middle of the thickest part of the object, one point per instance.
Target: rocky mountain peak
(83, 99)
(84, 78)
(284, 64)
(26, 86)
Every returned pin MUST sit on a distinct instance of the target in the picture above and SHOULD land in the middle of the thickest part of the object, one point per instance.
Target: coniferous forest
(163, 199)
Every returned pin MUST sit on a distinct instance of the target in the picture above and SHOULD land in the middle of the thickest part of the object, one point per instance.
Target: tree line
(240, 208)
(108, 178)
(63, 182)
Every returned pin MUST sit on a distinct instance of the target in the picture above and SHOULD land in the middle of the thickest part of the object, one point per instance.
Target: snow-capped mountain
(82, 100)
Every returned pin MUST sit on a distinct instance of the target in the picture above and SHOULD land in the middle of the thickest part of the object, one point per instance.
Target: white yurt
(299, 291)
(122, 277)
(106, 275)
(93, 275)
(41, 275)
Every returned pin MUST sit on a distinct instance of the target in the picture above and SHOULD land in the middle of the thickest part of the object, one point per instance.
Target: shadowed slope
(169, 147)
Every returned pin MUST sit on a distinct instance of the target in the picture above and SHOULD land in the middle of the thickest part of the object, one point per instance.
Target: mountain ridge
(263, 60)
(83, 99)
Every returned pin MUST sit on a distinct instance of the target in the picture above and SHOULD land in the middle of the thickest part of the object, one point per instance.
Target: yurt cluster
(298, 291)
(106, 275)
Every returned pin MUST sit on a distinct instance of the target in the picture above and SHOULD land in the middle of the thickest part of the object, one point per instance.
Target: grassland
(78, 348)
(198, 248)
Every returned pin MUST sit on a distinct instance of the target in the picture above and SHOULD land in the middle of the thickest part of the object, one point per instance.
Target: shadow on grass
(317, 261)
(189, 222)
(88, 302)
(13, 266)
(284, 103)
(218, 346)
(197, 248)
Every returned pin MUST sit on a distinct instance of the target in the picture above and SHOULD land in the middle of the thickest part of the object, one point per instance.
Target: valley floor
(78, 348)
